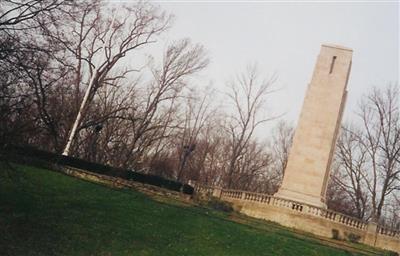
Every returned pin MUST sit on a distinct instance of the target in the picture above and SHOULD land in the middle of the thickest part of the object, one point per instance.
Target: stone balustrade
(388, 232)
(295, 206)
(231, 193)
(206, 190)
(347, 223)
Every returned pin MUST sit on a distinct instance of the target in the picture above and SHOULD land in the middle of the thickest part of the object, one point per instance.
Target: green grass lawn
(47, 213)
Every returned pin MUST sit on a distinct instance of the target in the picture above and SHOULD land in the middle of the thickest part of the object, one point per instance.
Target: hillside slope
(47, 213)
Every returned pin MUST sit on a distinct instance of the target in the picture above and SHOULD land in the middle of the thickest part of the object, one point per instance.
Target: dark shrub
(219, 205)
(187, 189)
(33, 156)
(353, 237)
(162, 166)
(335, 234)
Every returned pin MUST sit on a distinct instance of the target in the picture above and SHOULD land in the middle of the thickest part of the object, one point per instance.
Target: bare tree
(27, 69)
(368, 155)
(351, 159)
(104, 121)
(391, 213)
(281, 141)
(14, 14)
(252, 168)
(337, 198)
(380, 116)
(103, 42)
(247, 95)
(197, 113)
(147, 118)
(209, 163)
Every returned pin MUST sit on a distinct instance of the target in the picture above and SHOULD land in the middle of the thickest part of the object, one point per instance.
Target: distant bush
(216, 204)
(352, 237)
(391, 253)
(42, 158)
(187, 189)
(335, 234)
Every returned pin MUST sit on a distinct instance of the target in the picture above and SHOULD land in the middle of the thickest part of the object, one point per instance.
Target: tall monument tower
(307, 171)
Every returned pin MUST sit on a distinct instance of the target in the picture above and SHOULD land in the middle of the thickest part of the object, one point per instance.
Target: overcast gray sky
(286, 38)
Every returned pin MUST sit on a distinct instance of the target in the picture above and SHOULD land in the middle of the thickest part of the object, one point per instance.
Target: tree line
(148, 113)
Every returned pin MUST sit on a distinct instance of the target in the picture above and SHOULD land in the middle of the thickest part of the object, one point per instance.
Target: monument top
(337, 47)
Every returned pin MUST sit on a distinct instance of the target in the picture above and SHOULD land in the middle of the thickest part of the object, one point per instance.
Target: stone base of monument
(301, 197)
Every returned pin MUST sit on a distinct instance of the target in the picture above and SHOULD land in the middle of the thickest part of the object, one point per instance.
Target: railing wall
(295, 206)
(340, 220)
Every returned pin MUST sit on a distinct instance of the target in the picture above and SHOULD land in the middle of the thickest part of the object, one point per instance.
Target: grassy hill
(47, 213)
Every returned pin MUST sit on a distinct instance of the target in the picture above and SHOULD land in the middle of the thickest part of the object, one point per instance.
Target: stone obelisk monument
(307, 171)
